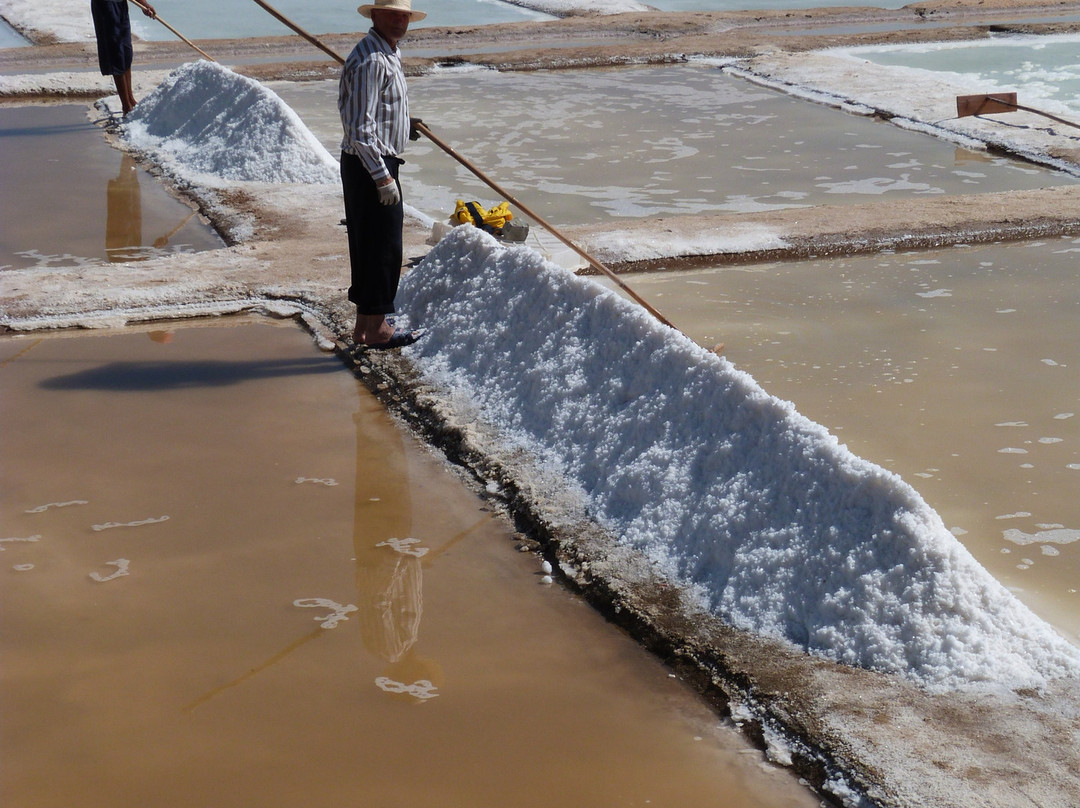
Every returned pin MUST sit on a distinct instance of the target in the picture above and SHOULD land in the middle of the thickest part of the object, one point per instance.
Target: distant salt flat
(1043, 70)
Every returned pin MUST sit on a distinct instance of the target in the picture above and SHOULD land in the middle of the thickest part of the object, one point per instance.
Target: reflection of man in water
(389, 576)
(112, 27)
(123, 218)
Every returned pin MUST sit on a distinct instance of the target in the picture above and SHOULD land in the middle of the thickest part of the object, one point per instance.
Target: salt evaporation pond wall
(228, 467)
(604, 145)
(956, 369)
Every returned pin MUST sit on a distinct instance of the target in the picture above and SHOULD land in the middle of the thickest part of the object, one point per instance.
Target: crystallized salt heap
(779, 528)
(206, 120)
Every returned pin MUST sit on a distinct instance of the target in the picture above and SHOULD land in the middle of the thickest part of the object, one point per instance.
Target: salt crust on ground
(920, 100)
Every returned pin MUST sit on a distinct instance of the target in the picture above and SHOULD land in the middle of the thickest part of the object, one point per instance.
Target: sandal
(399, 339)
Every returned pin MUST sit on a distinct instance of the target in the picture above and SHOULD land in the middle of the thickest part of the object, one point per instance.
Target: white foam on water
(421, 689)
(327, 481)
(123, 567)
(776, 525)
(17, 539)
(153, 520)
(405, 547)
(338, 611)
(1049, 535)
(43, 508)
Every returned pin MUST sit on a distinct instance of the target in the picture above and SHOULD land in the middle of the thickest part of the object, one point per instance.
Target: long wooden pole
(446, 147)
(186, 41)
(420, 126)
(312, 39)
(1047, 115)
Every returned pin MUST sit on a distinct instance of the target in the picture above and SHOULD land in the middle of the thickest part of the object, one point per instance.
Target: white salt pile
(780, 529)
(211, 124)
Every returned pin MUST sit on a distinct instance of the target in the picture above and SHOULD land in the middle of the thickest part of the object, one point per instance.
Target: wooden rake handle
(446, 147)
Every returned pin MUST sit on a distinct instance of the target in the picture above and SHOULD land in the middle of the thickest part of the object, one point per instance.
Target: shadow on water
(45, 131)
(131, 377)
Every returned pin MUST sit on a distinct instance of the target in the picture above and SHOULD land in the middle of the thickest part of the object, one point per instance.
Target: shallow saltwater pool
(230, 579)
(69, 197)
(234, 18)
(608, 145)
(956, 369)
(10, 38)
(212, 19)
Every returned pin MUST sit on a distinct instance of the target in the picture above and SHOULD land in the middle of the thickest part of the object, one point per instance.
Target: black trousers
(375, 250)
(112, 27)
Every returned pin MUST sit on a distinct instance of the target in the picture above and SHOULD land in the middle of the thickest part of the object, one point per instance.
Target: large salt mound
(780, 529)
(204, 119)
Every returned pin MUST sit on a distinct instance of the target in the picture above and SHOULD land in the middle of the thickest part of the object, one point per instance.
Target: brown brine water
(957, 369)
(229, 578)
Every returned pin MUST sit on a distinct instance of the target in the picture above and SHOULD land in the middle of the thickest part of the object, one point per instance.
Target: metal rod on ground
(185, 40)
(1047, 115)
(423, 129)
(313, 40)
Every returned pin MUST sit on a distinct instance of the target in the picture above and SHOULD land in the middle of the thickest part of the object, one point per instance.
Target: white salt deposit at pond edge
(778, 527)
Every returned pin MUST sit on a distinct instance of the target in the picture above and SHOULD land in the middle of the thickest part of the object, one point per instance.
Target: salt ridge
(779, 528)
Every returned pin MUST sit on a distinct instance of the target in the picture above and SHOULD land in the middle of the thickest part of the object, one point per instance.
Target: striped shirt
(373, 104)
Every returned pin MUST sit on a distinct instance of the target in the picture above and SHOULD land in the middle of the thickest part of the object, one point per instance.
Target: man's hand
(147, 9)
(388, 193)
(414, 133)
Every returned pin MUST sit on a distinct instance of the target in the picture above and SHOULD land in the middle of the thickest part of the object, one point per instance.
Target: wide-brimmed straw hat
(393, 5)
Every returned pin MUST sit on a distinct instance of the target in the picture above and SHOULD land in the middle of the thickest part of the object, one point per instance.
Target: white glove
(389, 193)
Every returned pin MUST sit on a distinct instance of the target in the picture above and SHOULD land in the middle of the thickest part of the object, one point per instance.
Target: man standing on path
(112, 28)
(374, 111)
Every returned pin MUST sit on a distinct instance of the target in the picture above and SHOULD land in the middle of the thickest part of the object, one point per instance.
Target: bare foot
(372, 329)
